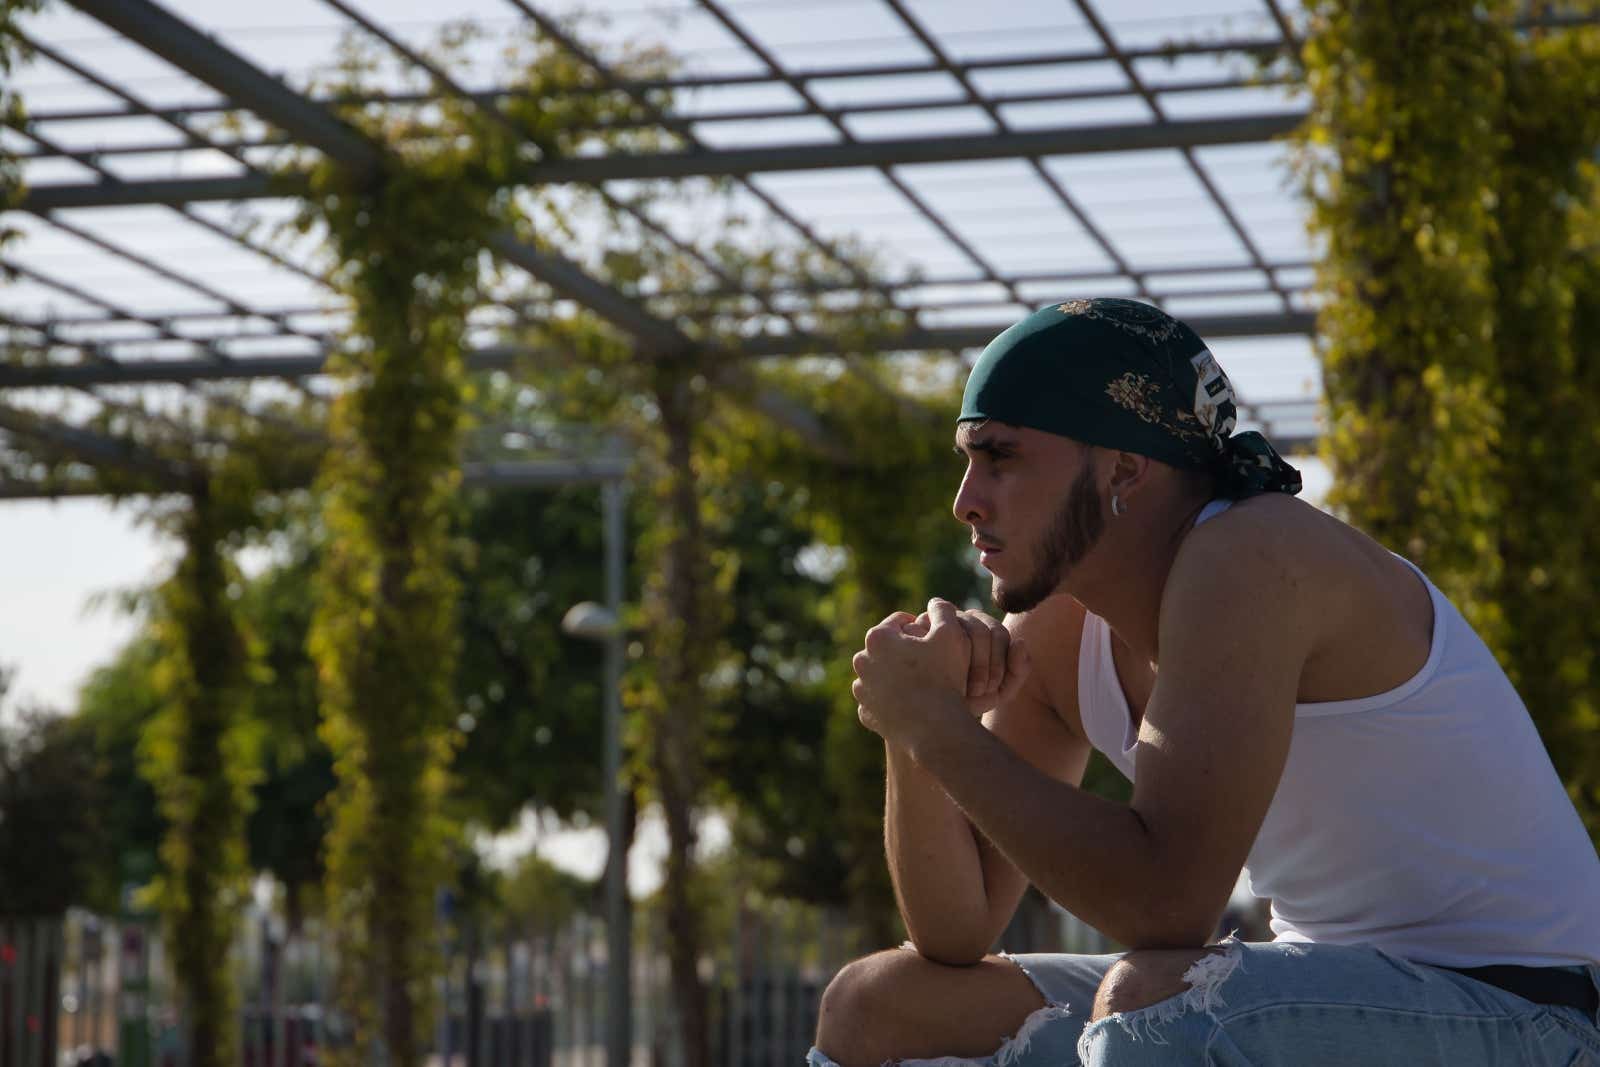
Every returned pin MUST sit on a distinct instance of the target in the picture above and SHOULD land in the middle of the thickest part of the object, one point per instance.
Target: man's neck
(1128, 572)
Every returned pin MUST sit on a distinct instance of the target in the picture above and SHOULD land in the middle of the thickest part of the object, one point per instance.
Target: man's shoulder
(1270, 553)
(1269, 528)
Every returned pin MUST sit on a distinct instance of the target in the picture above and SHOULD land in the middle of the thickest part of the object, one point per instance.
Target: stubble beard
(1074, 530)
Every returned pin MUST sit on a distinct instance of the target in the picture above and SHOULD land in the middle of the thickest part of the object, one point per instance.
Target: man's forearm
(934, 862)
(1094, 857)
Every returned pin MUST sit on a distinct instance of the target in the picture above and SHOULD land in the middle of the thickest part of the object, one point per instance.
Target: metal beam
(151, 26)
(534, 474)
(186, 371)
(92, 447)
(920, 339)
(948, 338)
(678, 123)
(1057, 141)
(902, 284)
(171, 192)
(174, 40)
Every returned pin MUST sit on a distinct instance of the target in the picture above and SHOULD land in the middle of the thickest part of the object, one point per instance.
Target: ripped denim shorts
(1282, 1004)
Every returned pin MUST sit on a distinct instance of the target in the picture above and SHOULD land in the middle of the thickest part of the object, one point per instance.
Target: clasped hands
(917, 671)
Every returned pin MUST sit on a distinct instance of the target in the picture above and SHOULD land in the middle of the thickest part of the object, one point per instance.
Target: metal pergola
(1083, 149)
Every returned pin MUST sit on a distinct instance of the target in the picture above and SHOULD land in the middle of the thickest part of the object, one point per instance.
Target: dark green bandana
(1124, 375)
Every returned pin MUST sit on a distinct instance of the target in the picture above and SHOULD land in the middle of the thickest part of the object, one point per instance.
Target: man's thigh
(1309, 1005)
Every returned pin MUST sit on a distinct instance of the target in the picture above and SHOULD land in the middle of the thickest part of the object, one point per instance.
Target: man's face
(1030, 500)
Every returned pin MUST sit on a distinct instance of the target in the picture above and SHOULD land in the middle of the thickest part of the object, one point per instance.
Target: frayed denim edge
(1205, 977)
(1009, 1050)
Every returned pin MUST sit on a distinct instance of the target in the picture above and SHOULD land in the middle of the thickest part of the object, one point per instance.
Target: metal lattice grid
(1076, 150)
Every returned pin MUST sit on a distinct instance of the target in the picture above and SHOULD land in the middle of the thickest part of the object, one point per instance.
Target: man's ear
(1130, 472)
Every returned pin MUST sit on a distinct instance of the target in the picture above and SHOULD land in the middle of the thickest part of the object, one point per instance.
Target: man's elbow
(949, 951)
(1169, 925)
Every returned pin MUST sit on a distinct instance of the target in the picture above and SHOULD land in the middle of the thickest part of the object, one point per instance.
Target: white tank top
(1427, 820)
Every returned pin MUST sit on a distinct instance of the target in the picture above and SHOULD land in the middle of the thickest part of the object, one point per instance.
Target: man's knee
(862, 989)
(1145, 977)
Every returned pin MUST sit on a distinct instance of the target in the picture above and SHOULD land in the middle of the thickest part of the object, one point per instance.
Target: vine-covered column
(1399, 158)
(384, 634)
(682, 625)
(1552, 408)
(199, 755)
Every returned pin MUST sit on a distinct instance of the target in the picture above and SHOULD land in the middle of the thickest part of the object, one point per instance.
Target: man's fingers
(898, 620)
(981, 666)
(1017, 667)
(918, 627)
(999, 644)
(941, 613)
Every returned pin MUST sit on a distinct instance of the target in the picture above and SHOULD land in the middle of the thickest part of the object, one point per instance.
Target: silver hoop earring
(1117, 506)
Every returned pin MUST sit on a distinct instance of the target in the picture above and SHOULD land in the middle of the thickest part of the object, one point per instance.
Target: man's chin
(1014, 599)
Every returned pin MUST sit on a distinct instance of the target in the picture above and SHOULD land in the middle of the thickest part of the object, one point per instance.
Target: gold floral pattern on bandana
(1143, 321)
(1138, 394)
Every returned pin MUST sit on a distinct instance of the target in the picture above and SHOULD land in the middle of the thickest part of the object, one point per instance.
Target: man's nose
(970, 505)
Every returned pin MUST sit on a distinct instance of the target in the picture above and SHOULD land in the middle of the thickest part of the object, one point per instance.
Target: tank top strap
(1213, 509)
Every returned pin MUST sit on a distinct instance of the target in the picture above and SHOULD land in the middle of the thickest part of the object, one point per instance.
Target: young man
(1288, 697)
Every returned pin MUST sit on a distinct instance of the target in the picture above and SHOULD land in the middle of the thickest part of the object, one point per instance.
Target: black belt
(1543, 985)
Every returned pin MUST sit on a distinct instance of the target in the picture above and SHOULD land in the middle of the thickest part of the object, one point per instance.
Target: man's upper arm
(1238, 620)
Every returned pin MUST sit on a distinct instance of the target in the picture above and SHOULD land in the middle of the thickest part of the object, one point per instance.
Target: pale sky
(54, 559)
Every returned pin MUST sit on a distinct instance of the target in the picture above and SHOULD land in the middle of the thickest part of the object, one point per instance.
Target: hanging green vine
(13, 52)
(199, 754)
(408, 246)
(383, 636)
(1551, 405)
(1399, 160)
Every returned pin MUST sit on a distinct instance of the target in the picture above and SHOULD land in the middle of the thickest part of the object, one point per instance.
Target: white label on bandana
(1212, 389)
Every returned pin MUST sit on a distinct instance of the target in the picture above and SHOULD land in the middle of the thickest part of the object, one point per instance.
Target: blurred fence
(30, 971)
(90, 990)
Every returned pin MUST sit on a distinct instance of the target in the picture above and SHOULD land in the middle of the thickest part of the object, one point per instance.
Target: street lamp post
(595, 622)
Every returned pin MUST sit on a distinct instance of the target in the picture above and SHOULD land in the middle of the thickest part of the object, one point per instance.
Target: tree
(51, 808)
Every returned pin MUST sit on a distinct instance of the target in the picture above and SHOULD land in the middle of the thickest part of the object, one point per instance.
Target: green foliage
(52, 812)
(199, 755)
(536, 894)
(114, 706)
(1398, 159)
(1543, 262)
(887, 516)
(530, 696)
(289, 822)
(1449, 158)
(13, 52)
(406, 243)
